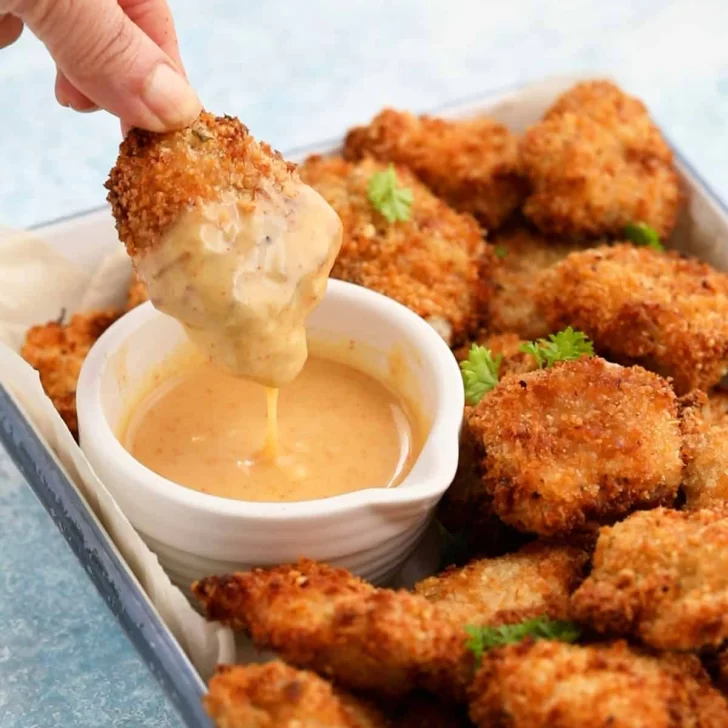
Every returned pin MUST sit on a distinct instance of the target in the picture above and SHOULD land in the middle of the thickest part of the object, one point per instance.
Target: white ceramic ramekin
(194, 534)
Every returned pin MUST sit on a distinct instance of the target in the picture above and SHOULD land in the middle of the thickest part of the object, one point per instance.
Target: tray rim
(102, 562)
(172, 669)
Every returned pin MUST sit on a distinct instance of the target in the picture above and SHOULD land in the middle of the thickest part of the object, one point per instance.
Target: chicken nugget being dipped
(228, 241)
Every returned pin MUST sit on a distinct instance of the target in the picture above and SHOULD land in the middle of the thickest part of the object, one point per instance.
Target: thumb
(112, 61)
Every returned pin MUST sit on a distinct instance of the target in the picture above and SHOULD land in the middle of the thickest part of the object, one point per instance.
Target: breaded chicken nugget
(639, 305)
(536, 580)
(431, 263)
(157, 177)
(325, 619)
(525, 255)
(596, 163)
(662, 576)
(472, 164)
(137, 293)
(274, 694)
(556, 685)
(579, 443)
(57, 351)
(705, 453)
(715, 410)
(228, 241)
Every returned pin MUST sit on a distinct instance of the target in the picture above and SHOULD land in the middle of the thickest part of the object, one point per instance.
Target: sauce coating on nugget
(435, 263)
(580, 443)
(472, 164)
(596, 163)
(662, 576)
(668, 313)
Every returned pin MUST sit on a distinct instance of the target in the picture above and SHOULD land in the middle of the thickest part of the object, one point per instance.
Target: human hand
(119, 55)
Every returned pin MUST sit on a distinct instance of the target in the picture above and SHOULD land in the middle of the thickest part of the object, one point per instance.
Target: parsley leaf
(501, 251)
(486, 638)
(480, 373)
(566, 345)
(641, 233)
(392, 201)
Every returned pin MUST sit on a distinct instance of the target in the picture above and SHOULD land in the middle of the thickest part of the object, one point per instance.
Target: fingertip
(170, 99)
(11, 28)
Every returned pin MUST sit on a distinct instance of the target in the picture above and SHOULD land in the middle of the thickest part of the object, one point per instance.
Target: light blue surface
(295, 73)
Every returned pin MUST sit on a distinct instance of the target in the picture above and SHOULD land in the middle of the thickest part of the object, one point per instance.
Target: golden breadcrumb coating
(58, 350)
(276, 695)
(625, 116)
(159, 176)
(639, 305)
(466, 509)
(137, 293)
(525, 255)
(536, 580)
(705, 453)
(596, 163)
(323, 618)
(715, 410)
(556, 685)
(579, 443)
(435, 263)
(662, 576)
(472, 164)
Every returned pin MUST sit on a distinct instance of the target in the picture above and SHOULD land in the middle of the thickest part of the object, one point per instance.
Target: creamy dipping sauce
(338, 430)
(242, 276)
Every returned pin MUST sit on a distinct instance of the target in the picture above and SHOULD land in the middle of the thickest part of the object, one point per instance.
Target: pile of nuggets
(592, 493)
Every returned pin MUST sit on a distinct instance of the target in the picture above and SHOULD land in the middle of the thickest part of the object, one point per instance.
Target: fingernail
(170, 98)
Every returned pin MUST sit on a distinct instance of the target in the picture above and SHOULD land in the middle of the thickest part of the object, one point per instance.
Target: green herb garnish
(641, 233)
(501, 251)
(392, 201)
(566, 345)
(483, 639)
(480, 373)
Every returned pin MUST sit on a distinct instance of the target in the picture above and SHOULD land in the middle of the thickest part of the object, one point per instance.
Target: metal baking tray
(87, 237)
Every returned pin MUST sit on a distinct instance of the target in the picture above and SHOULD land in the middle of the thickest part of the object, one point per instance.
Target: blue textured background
(295, 72)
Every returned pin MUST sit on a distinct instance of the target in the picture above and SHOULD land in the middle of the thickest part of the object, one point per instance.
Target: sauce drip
(270, 447)
(242, 276)
(338, 430)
